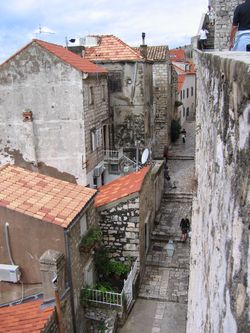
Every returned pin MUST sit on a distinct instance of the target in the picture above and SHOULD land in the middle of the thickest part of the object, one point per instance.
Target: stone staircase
(178, 197)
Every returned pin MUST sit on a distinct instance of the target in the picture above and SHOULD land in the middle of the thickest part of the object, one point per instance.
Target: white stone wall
(188, 102)
(54, 142)
(219, 289)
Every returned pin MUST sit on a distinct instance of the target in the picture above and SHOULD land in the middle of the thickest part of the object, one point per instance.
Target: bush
(91, 238)
(175, 130)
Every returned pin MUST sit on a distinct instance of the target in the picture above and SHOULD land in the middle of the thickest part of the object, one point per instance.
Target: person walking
(203, 38)
(183, 133)
(240, 32)
(185, 227)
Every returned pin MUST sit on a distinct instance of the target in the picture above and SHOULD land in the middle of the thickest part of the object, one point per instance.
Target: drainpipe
(7, 238)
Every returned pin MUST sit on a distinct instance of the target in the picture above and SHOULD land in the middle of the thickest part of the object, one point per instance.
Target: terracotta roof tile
(177, 55)
(26, 317)
(43, 201)
(111, 48)
(67, 56)
(121, 187)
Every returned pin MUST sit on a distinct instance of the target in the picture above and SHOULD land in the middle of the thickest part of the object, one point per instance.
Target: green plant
(89, 240)
(119, 268)
(102, 261)
(85, 294)
(175, 130)
(178, 103)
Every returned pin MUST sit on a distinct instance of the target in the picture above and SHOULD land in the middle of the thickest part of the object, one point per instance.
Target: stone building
(219, 290)
(127, 208)
(186, 85)
(54, 115)
(130, 88)
(164, 94)
(45, 218)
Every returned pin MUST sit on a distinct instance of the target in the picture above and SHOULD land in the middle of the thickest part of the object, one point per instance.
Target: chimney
(143, 47)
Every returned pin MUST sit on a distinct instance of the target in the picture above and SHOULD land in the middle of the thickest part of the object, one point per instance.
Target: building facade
(54, 113)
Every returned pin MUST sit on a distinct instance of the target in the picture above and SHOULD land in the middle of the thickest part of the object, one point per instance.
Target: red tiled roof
(181, 79)
(111, 48)
(24, 318)
(177, 55)
(121, 187)
(83, 65)
(42, 197)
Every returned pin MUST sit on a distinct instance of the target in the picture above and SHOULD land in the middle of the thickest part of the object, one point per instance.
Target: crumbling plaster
(219, 289)
(57, 140)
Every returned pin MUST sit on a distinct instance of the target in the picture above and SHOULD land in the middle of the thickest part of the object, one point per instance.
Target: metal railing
(103, 297)
(113, 155)
(112, 298)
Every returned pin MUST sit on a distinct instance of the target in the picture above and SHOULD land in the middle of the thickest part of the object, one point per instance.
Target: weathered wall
(54, 142)
(78, 261)
(132, 107)
(224, 16)
(218, 296)
(29, 239)
(163, 111)
(119, 222)
(123, 221)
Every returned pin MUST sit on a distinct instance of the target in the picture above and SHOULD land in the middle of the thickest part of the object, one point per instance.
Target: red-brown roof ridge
(111, 48)
(79, 63)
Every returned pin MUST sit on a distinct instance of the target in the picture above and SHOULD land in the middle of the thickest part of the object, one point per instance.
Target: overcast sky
(165, 22)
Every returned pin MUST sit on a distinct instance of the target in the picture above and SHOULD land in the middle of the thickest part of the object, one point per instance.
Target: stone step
(181, 157)
(177, 197)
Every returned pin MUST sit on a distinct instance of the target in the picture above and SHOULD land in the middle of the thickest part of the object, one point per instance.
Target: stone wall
(123, 221)
(162, 106)
(224, 16)
(132, 106)
(219, 289)
(78, 261)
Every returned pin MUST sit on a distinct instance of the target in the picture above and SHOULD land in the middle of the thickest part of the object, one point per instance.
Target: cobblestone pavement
(161, 307)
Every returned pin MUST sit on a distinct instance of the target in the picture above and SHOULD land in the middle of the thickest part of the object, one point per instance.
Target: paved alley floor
(162, 303)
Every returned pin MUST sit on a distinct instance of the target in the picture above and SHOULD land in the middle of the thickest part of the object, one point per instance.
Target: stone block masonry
(219, 288)
(120, 226)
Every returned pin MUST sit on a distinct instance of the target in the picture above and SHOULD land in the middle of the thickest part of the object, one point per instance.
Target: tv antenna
(43, 30)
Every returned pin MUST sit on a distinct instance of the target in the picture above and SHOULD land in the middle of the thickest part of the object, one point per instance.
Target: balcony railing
(113, 155)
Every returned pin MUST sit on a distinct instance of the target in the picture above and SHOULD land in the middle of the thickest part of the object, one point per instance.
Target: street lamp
(170, 248)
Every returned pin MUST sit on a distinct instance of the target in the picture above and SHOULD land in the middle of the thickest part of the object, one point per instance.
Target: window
(183, 94)
(187, 112)
(96, 138)
(115, 81)
(183, 112)
(192, 91)
(103, 93)
(91, 95)
(187, 92)
(114, 168)
(83, 225)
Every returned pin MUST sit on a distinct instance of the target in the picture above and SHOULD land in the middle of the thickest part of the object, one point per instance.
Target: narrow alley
(161, 306)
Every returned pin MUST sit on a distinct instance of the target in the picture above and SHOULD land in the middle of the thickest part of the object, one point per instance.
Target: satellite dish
(145, 156)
